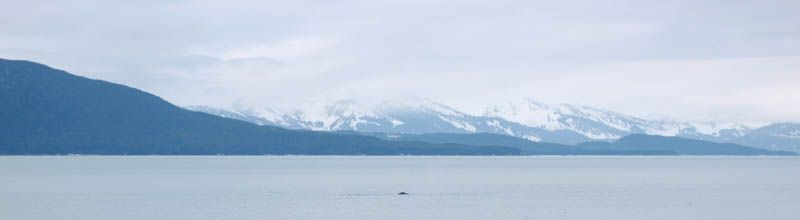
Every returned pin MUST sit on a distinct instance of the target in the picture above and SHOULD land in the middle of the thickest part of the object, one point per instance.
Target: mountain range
(524, 118)
(49, 111)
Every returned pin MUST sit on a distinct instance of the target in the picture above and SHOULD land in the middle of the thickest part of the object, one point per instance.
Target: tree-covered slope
(49, 111)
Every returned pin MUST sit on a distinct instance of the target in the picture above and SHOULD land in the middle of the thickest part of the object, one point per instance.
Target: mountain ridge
(528, 119)
(50, 111)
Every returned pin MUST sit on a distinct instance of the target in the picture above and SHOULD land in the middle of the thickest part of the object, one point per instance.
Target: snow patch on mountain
(396, 122)
(498, 126)
(530, 113)
(715, 129)
(459, 124)
(533, 138)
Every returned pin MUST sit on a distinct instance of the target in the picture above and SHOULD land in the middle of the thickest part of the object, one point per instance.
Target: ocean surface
(344, 187)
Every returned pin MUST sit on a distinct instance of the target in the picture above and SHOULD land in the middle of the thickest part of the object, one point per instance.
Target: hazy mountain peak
(527, 111)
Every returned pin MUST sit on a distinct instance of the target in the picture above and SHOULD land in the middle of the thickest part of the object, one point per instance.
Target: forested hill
(49, 111)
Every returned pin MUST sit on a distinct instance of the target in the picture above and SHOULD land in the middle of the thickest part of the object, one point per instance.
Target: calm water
(231, 187)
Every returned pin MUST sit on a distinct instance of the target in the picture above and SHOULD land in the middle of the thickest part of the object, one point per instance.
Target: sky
(693, 60)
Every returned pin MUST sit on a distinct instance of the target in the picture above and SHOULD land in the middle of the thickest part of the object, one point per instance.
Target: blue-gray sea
(358, 187)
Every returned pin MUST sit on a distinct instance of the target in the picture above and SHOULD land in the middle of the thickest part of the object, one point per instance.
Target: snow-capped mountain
(785, 136)
(597, 124)
(524, 118)
(601, 124)
(414, 116)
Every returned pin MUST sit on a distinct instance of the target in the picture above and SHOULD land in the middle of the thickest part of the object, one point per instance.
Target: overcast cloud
(686, 60)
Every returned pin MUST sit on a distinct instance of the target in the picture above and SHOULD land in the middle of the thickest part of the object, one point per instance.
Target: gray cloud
(689, 60)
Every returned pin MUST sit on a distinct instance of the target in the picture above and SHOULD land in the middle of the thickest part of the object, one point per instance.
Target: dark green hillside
(49, 111)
